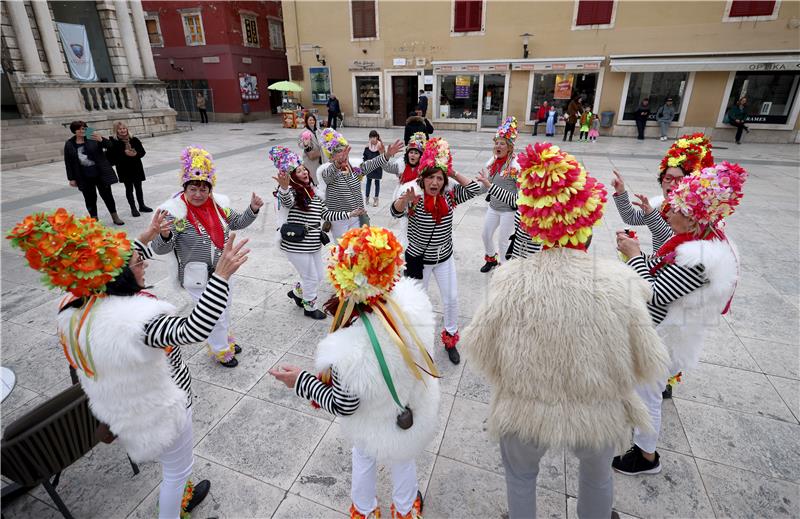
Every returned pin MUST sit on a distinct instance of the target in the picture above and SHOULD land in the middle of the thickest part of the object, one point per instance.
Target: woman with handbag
(301, 235)
(201, 222)
(343, 182)
(428, 204)
(407, 170)
(309, 145)
(126, 154)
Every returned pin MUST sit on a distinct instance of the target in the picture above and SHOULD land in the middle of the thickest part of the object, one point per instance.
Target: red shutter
(594, 12)
(755, 8)
(468, 15)
(363, 19)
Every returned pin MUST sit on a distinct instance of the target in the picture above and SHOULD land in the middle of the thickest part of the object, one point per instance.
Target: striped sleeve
(286, 197)
(333, 216)
(241, 220)
(395, 213)
(332, 398)
(671, 282)
(505, 196)
(170, 330)
(143, 250)
(629, 214)
(161, 246)
(463, 193)
(395, 167)
(659, 228)
(375, 163)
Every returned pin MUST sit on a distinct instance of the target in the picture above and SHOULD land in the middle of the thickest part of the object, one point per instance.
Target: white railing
(103, 97)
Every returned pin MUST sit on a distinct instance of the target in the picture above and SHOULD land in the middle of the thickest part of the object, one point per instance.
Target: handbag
(195, 275)
(363, 220)
(415, 265)
(293, 232)
(324, 239)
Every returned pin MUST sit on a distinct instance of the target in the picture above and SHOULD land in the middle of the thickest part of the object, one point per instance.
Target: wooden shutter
(468, 15)
(363, 13)
(747, 8)
(594, 12)
(297, 72)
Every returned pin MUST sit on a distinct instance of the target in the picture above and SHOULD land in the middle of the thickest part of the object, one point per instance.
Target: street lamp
(316, 54)
(525, 40)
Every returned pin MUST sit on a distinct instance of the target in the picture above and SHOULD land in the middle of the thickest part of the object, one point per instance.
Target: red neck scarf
(437, 206)
(409, 174)
(207, 216)
(667, 251)
(497, 166)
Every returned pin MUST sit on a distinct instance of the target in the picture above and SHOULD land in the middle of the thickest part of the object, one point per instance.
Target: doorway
(493, 100)
(404, 98)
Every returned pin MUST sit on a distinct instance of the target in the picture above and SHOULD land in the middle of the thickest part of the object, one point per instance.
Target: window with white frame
(363, 19)
(275, 34)
(770, 96)
(193, 28)
(153, 30)
(594, 14)
(249, 29)
(458, 96)
(657, 87)
(468, 16)
(368, 94)
(741, 10)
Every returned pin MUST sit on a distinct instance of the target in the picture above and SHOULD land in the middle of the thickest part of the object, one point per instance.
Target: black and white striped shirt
(311, 219)
(524, 245)
(433, 241)
(343, 188)
(170, 331)
(332, 398)
(670, 283)
(631, 215)
(507, 185)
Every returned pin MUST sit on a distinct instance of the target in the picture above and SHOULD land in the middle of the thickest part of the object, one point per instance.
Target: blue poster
(320, 84)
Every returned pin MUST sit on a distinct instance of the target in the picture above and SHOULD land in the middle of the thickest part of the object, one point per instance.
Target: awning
(591, 63)
(756, 62)
(485, 65)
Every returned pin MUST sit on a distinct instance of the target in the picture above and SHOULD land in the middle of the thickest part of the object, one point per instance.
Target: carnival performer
(301, 234)
(377, 370)
(201, 221)
(565, 375)
(428, 204)
(309, 145)
(687, 154)
(125, 344)
(502, 178)
(692, 278)
(343, 181)
(406, 171)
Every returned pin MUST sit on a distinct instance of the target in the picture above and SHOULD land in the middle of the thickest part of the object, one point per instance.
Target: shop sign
(320, 84)
(247, 60)
(563, 86)
(210, 59)
(757, 67)
(472, 67)
(463, 87)
(399, 62)
(587, 65)
(365, 65)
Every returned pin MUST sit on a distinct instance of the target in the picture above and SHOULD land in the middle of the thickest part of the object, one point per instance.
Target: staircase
(23, 143)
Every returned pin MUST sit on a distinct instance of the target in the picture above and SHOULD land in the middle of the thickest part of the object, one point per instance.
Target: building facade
(40, 85)
(480, 60)
(229, 51)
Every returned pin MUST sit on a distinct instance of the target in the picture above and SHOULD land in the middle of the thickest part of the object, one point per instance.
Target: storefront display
(494, 92)
(657, 87)
(458, 96)
(558, 88)
(368, 95)
(770, 95)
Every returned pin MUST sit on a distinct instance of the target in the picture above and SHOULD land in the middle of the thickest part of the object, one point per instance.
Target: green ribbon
(376, 347)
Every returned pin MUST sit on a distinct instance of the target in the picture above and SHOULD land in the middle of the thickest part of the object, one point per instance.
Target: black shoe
(746, 129)
(314, 314)
(614, 514)
(667, 393)
(143, 208)
(230, 364)
(489, 265)
(200, 492)
(633, 463)
(738, 142)
(237, 349)
(297, 300)
(453, 354)
(134, 212)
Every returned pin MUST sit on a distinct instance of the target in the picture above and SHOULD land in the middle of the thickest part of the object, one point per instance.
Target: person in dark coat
(642, 115)
(89, 170)
(334, 111)
(126, 154)
(417, 123)
(423, 103)
(571, 117)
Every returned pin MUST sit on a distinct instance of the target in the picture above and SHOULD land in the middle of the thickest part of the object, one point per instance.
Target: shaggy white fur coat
(564, 338)
(373, 427)
(132, 391)
(177, 207)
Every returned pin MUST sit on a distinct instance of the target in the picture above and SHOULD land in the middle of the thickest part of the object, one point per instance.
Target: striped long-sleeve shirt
(333, 398)
(523, 246)
(170, 331)
(659, 227)
(669, 283)
(343, 188)
(433, 241)
(507, 184)
(310, 218)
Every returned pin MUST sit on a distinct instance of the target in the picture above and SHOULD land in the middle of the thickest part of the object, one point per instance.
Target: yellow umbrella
(285, 86)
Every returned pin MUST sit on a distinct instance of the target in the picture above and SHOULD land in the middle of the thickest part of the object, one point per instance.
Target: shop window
(275, 34)
(657, 87)
(362, 14)
(249, 30)
(494, 87)
(468, 15)
(153, 30)
(368, 95)
(193, 29)
(594, 12)
(458, 96)
(770, 95)
(741, 8)
(558, 88)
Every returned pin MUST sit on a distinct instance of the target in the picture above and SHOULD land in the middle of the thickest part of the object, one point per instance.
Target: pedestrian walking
(422, 102)
(571, 117)
(594, 132)
(586, 122)
(309, 145)
(126, 154)
(664, 116)
(200, 102)
(334, 111)
(417, 122)
(89, 170)
(373, 149)
(641, 117)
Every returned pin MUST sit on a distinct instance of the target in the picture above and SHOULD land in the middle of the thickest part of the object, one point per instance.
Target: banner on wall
(463, 87)
(248, 86)
(320, 84)
(563, 87)
(76, 46)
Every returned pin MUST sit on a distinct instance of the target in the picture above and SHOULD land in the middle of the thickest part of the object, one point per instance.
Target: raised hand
(282, 179)
(256, 203)
(409, 196)
(394, 148)
(233, 257)
(618, 183)
(643, 203)
(483, 178)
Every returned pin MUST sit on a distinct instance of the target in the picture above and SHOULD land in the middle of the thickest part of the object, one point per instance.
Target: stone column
(128, 38)
(48, 33)
(143, 40)
(24, 34)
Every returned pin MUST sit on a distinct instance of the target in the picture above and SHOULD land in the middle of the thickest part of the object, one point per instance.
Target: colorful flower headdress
(710, 195)
(508, 130)
(690, 153)
(417, 142)
(284, 159)
(198, 164)
(332, 142)
(79, 256)
(559, 202)
(437, 155)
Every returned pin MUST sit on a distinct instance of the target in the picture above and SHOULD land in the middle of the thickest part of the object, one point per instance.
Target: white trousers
(309, 267)
(364, 491)
(503, 224)
(220, 341)
(445, 274)
(651, 396)
(339, 227)
(176, 467)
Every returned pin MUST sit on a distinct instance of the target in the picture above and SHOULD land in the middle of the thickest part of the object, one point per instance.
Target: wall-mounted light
(525, 40)
(321, 61)
(176, 68)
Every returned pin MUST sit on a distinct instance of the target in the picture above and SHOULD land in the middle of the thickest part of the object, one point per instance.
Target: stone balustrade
(100, 97)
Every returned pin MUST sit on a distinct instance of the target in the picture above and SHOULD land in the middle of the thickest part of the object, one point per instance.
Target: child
(586, 121)
(372, 151)
(594, 133)
(552, 117)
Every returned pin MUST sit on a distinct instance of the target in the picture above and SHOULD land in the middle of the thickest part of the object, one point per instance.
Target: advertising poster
(463, 87)
(76, 47)
(248, 86)
(563, 88)
(320, 84)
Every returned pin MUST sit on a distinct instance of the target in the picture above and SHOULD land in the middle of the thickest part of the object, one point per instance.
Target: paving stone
(775, 358)
(790, 392)
(295, 506)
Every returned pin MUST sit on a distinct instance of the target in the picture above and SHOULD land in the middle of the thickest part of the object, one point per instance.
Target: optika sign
(773, 66)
